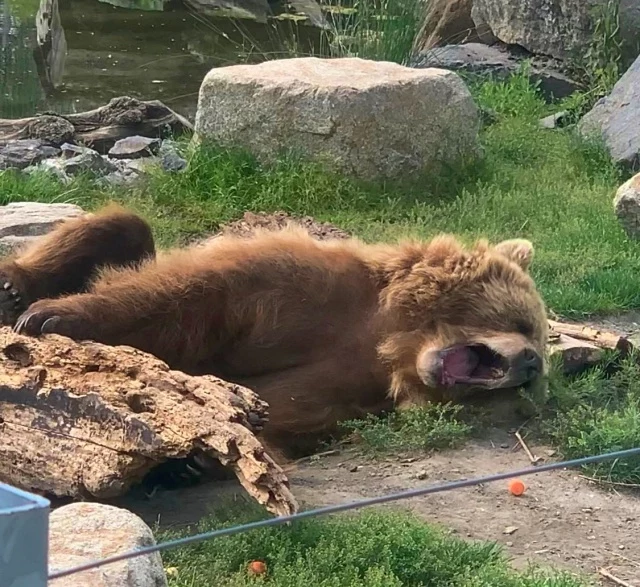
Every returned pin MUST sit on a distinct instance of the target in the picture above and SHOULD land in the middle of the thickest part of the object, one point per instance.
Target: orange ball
(516, 487)
(257, 568)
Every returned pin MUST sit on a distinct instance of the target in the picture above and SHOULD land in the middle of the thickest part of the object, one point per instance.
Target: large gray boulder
(83, 532)
(363, 118)
(559, 28)
(616, 119)
(21, 222)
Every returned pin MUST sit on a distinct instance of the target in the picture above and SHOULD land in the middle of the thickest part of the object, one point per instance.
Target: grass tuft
(427, 428)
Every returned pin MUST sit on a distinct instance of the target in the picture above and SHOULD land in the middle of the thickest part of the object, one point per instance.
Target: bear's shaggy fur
(323, 331)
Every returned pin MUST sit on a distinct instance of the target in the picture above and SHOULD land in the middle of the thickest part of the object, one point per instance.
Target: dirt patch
(246, 226)
(562, 520)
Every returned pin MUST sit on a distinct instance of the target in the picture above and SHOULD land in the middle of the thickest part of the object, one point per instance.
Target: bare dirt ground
(562, 520)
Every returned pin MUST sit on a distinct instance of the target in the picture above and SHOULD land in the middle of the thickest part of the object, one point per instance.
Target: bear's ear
(518, 250)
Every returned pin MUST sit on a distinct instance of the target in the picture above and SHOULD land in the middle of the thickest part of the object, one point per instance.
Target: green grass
(597, 412)
(347, 551)
(428, 428)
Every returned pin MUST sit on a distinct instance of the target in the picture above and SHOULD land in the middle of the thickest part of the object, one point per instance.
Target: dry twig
(616, 580)
(534, 459)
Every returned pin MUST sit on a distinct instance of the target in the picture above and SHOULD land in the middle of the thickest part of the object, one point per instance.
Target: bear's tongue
(458, 364)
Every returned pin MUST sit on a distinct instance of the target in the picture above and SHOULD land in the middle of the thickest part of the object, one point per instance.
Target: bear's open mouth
(473, 364)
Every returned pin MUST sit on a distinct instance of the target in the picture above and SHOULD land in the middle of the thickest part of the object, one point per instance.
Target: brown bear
(324, 331)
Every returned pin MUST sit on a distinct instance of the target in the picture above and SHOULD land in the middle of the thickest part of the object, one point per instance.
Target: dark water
(74, 55)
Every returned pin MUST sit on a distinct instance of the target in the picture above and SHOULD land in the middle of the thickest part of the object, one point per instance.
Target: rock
(51, 166)
(83, 532)
(557, 120)
(134, 147)
(257, 10)
(20, 222)
(471, 57)
(500, 62)
(559, 28)
(21, 153)
(69, 150)
(627, 206)
(170, 159)
(311, 10)
(616, 119)
(447, 22)
(128, 171)
(88, 162)
(363, 118)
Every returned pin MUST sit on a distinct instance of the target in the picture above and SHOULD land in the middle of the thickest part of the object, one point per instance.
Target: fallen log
(89, 421)
(595, 336)
(100, 128)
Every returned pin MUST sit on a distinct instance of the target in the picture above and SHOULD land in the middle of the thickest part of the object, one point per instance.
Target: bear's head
(462, 321)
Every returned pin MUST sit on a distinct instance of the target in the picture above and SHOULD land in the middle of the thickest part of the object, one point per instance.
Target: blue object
(24, 538)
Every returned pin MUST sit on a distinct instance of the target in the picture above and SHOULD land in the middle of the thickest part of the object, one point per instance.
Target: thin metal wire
(345, 507)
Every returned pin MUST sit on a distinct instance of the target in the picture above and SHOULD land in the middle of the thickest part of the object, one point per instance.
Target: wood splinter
(602, 571)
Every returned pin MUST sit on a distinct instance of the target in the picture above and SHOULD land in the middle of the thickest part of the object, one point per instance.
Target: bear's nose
(529, 362)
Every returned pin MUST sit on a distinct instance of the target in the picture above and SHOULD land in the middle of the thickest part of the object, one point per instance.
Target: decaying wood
(581, 346)
(88, 420)
(100, 128)
(576, 355)
(599, 338)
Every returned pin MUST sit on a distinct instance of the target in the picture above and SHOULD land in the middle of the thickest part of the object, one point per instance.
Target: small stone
(134, 147)
(23, 153)
(51, 166)
(510, 530)
(422, 475)
(509, 543)
(70, 150)
(82, 532)
(170, 159)
(626, 205)
(354, 469)
(91, 162)
(557, 120)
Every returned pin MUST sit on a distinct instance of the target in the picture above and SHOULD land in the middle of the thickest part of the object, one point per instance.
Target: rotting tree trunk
(88, 421)
(100, 128)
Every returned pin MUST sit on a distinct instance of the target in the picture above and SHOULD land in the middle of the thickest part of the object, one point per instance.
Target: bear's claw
(11, 304)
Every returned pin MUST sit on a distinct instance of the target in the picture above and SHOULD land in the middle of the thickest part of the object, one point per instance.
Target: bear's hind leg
(66, 260)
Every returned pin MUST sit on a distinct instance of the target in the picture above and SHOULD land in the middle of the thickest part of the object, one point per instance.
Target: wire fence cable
(333, 509)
